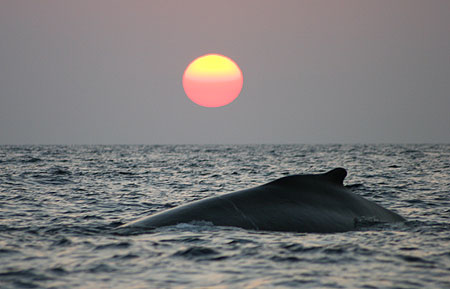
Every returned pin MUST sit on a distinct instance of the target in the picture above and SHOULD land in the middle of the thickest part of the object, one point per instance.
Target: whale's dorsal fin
(335, 176)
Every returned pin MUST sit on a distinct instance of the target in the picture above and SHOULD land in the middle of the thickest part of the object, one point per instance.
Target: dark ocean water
(60, 204)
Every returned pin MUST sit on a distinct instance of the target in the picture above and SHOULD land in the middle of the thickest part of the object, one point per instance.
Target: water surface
(60, 204)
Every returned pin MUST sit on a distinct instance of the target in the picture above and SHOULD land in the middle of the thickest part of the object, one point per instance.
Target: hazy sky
(107, 72)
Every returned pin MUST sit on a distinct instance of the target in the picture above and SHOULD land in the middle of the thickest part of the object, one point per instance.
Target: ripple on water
(199, 253)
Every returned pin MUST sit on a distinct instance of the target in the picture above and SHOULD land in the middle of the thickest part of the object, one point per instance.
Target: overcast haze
(109, 72)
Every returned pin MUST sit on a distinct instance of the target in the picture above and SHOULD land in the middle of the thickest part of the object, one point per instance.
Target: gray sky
(87, 71)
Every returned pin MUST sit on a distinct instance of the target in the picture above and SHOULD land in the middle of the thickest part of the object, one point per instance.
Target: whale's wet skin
(299, 203)
(60, 207)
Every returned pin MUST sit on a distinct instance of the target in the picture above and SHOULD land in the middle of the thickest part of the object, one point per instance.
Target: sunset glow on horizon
(212, 80)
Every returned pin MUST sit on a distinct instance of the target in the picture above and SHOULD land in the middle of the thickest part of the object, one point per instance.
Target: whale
(309, 203)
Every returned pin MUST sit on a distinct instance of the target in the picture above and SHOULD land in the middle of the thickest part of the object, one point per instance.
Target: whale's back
(299, 203)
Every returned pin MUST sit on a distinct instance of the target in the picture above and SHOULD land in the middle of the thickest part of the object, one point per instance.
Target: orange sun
(212, 80)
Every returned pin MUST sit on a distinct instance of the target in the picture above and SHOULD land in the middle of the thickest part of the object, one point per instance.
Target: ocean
(59, 206)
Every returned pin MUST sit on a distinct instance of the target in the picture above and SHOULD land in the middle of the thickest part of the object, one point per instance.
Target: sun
(213, 80)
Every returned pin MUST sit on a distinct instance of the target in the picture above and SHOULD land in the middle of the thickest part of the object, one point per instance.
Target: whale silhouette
(299, 203)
